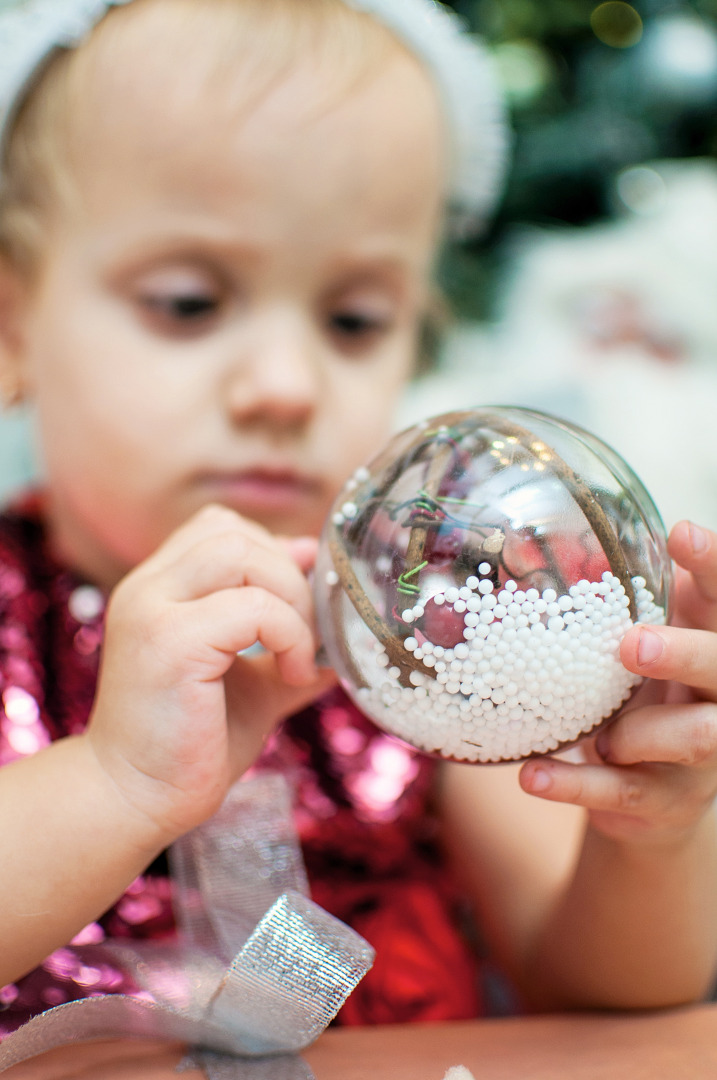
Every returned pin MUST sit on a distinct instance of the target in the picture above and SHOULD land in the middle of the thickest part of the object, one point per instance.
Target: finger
(619, 800)
(695, 548)
(669, 652)
(209, 521)
(234, 560)
(196, 642)
(227, 622)
(694, 551)
(277, 697)
(678, 735)
(594, 787)
(302, 549)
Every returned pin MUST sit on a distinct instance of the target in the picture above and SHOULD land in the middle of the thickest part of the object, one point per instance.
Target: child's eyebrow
(209, 249)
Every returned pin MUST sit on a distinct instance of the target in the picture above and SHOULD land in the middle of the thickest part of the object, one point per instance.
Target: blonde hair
(241, 48)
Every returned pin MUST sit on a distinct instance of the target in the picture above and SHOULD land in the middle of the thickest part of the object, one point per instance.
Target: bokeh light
(616, 24)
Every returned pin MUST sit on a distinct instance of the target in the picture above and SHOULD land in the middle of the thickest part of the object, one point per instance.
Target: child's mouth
(262, 490)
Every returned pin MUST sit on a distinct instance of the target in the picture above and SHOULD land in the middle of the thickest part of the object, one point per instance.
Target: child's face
(232, 309)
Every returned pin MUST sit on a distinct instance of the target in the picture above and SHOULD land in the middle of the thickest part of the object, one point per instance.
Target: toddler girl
(217, 226)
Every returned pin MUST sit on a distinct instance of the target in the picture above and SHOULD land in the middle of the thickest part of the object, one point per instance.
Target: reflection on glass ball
(475, 580)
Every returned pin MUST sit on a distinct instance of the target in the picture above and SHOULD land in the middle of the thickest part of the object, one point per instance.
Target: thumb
(291, 699)
(257, 700)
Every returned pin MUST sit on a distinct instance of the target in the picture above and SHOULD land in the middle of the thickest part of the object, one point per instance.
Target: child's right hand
(178, 716)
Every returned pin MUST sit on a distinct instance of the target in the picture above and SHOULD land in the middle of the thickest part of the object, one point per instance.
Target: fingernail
(650, 647)
(698, 538)
(540, 780)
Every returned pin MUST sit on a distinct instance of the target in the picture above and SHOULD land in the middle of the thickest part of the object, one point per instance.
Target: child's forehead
(153, 76)
(149, 111)
(225, 54)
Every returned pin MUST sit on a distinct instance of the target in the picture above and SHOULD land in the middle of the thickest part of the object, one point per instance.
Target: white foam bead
(418, 612)
(511, 586)
(485, 586)
(438, 650)
(484, 568)
(469, 633)
(429, 660)
(486, 616)
(410, 643)
(451, 594)
(465, 592)
(474, 604)
(440, 665)
(438, 599)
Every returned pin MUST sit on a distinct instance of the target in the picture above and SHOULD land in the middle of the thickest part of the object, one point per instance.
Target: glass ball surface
(475, 579)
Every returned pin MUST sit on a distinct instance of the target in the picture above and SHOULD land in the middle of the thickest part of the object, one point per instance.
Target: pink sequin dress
(362, 811)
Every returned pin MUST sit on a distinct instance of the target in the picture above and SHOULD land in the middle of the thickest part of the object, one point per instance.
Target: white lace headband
(31, 30)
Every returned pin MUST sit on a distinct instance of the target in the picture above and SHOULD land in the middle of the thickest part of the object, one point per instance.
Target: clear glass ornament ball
(476, 578)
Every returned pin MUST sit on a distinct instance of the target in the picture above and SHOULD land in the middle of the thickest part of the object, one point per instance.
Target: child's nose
(277, 379)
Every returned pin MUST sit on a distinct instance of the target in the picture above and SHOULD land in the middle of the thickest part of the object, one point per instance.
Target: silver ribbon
(259, 970)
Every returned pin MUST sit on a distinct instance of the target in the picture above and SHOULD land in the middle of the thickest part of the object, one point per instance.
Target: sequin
(20, 707)
(86, 603)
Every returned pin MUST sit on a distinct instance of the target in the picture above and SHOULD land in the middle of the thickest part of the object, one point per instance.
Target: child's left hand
(651, 775)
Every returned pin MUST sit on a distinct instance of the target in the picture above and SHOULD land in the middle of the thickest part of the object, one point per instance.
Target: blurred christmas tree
(594, 89)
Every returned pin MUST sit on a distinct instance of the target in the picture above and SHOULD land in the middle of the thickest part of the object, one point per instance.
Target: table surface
(673, 1045)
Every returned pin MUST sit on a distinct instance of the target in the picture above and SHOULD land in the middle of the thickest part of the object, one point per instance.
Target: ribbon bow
(259, 969)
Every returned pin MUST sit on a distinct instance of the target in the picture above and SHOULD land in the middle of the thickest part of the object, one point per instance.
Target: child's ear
(13, 306)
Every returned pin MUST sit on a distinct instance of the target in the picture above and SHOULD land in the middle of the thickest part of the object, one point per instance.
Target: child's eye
(183, 308)
(356, 330)
(180, 313)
